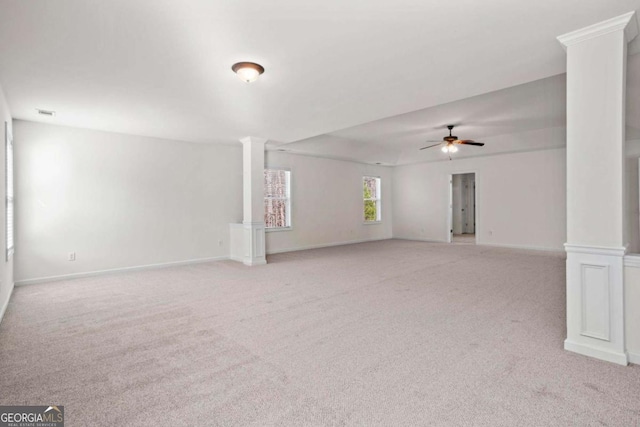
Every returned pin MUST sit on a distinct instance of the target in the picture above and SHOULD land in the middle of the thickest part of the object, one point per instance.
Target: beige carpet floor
(393, 333)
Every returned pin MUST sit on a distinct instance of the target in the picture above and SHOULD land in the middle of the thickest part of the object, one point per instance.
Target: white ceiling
(162, 67)
(530, 116)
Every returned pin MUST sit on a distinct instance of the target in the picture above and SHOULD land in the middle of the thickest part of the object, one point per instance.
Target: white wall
(6, 267)
(327, 205)
(632, 152)
(631, 302)
(632, 218)
(520, 199)
(456, 201)
(119, 200)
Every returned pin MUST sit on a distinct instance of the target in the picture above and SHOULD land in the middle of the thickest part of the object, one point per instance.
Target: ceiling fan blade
(429, 146)
(470, 142)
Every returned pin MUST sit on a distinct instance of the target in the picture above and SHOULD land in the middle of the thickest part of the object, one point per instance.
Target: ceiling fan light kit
(450, 141)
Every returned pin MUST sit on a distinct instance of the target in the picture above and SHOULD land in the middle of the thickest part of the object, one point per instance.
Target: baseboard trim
(529, 248)
(324, 245)
(3, 309)
(587, 350)
(495, 245)
(419, 239)
(117, 270)
(634, 358)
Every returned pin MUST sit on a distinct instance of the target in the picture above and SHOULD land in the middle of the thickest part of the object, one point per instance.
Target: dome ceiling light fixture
(247, 71)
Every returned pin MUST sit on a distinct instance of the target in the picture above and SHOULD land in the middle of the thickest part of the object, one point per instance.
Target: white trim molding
(417, 239)
(632, 260)
(254, 243)
(597, 353)
(627, 22)
(525, 247)
(595, 302)
(277, 229)
(325, 245)
(490, 245)
(595, 250)
(111, 271)
(632, 306)
(247, 243)
(3, 309)
(596, 291)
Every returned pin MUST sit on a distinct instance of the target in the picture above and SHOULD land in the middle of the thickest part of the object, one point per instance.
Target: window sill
(372, 222)
(276, 229)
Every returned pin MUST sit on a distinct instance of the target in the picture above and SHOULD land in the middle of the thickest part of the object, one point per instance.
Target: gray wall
(327, 202)
(6, 267)
(520, 199)
(119, 200)
(122, 201)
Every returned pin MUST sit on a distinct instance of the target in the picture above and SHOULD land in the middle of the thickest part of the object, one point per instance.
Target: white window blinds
(277, 198)
(9, 189)
(372, 199)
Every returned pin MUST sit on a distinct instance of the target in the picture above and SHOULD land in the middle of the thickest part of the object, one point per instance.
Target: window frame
(9, 193)
(377, 199)
(288, 198)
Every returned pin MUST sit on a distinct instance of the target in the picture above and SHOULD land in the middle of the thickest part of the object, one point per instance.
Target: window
(9, 189)
(372, 211)
(277, 198)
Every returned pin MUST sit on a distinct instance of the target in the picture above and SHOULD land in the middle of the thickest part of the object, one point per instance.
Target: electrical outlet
(72, 256)
(220, 242)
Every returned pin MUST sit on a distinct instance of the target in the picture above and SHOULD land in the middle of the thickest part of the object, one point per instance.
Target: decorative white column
(596, 235)
(253, 200)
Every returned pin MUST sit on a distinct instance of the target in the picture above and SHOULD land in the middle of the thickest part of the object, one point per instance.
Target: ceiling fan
(451, 141)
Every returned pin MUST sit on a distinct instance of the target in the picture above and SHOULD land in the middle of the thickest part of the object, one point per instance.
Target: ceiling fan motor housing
(451, 140)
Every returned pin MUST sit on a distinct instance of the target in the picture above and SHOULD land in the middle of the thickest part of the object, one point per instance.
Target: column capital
(627, 23)
(253, 140)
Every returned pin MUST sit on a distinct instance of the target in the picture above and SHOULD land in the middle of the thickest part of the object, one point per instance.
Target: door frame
(449, 230)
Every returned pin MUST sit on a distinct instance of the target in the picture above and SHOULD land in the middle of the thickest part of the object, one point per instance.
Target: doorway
(462, 223)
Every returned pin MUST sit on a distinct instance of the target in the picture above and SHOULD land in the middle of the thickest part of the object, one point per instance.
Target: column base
(254, 244)
(595, 302)
(597, 353)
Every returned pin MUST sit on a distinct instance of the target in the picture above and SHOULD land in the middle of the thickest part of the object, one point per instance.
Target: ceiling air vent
(46, 112)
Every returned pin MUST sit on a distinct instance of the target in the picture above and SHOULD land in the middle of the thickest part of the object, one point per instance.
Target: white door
(450, 211)
(469, 204)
